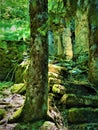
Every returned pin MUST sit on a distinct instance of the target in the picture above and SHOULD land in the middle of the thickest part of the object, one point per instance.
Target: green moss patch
(2, 113)
(72, 100)
(18, 88)
(83, 115)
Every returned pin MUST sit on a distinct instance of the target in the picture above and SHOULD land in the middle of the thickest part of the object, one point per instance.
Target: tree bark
(36, 103)
(93, 46)
(81, 47)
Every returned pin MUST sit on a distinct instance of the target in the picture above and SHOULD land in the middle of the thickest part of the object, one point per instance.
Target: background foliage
(14, 23)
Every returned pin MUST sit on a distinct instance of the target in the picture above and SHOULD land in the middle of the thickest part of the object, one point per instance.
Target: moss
(57, 88)
(38, 125)
(34, 126)
(2, 113)
(83, 115)
(15, 115)
(72, 100)
(18, 88)
(57, 69)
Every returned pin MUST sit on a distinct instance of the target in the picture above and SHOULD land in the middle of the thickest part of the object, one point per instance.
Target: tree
(93, 44)
(81, 46)
(86, 32)
(35, 106)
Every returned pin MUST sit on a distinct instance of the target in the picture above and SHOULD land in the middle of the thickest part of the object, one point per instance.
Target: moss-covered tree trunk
(81, 47)
(67, 44)
(35, 107)
(93, 46)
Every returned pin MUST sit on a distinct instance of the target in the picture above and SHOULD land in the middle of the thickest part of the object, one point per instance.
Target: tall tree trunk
(67, 43)
(35, 107)
(93, 46)
(81, 47)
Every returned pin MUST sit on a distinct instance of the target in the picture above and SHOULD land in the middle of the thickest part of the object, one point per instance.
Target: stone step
(78, 88)
(82, 115)
(72, 100)
(86, 126)
(59, 70)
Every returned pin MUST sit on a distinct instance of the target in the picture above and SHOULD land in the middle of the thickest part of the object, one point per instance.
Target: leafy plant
(4, 85)
(14, 20)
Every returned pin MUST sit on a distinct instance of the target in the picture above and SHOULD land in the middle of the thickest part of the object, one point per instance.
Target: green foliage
(33, 126)
(13, 9)
(55, 6)
(43, 29)
(14, 24)
(15, 19)
(3, 45)
(14, 30)
(56, 12)
(4, 85)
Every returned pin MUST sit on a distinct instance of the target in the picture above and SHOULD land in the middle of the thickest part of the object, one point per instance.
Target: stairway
(76, 100)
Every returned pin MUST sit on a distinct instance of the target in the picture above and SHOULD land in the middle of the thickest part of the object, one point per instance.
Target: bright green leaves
(55, 6)
(43, 30)
(56, 13)
(14, 30)
(14, 23)
(13, 9)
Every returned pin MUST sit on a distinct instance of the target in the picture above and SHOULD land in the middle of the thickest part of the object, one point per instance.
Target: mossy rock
(16, 115)
(54, 75)
(57, 69)
(2, 113)
(83, 115)
(19, 88)
(53, 81)
(58, 89)
(80, 88)
(72, 100)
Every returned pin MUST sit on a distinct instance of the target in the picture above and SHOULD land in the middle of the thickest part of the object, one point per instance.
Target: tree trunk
(93, 46)
(36, 105)
(81, 47)
(67, 43)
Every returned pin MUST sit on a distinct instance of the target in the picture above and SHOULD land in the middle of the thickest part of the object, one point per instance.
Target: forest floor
(11, 102)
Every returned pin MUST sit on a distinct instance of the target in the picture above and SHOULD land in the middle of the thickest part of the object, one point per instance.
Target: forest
(49, 65)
